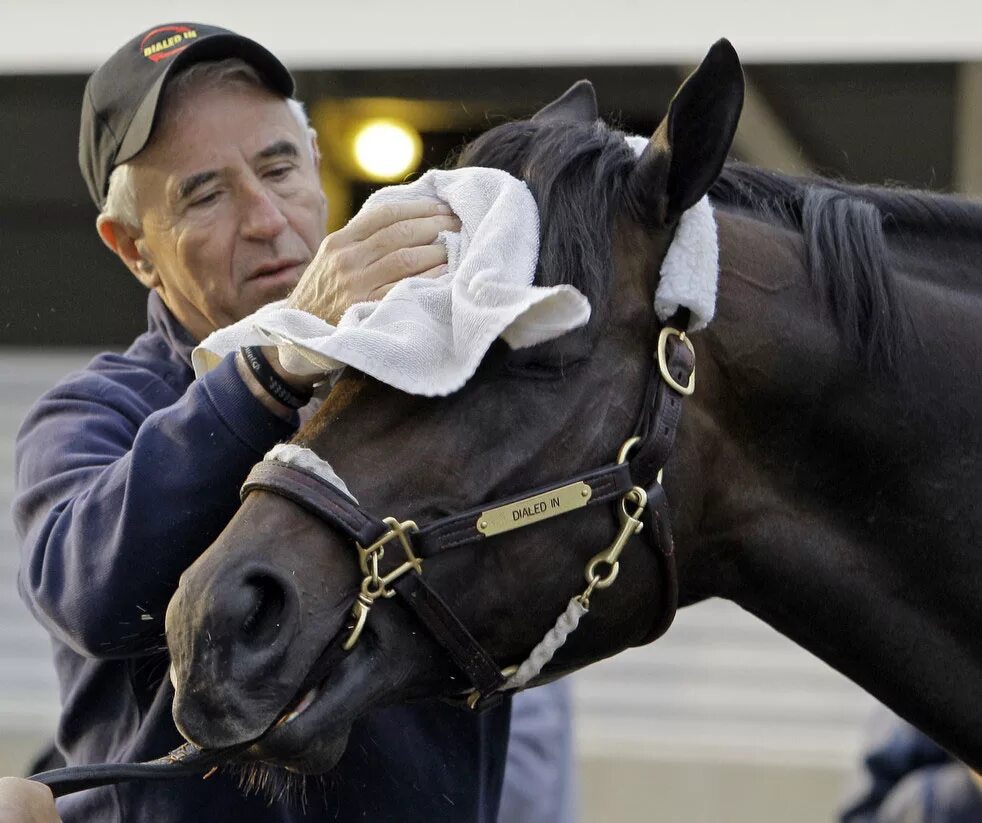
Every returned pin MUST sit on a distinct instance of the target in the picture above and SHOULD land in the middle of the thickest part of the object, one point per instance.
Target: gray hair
(121, 197)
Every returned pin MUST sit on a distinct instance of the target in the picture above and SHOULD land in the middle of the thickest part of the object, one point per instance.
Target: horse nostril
(262, 623)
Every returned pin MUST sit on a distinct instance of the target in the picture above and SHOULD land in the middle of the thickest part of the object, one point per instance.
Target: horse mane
(578, 172)
(846, 228)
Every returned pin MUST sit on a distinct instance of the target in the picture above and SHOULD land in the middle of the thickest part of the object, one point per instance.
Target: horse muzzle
(231, 636)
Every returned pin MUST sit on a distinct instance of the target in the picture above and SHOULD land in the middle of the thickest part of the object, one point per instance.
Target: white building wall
(64, 35)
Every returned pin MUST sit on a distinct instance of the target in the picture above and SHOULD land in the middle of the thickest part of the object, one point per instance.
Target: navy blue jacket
(126, 471)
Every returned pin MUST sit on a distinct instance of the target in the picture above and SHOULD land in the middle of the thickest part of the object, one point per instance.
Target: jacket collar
(161, 321)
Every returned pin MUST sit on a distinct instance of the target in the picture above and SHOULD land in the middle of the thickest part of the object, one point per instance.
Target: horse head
(253, 616)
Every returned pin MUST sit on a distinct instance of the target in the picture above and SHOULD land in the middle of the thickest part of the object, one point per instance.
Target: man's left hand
(25, 801)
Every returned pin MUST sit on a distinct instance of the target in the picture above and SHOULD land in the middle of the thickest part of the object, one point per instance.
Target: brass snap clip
(631, 524)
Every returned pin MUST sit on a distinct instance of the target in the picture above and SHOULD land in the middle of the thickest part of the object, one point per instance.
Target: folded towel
(428, 336)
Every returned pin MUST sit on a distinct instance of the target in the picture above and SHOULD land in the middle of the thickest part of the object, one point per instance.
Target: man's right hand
(363, 261)
(377, 249)
(25, 801)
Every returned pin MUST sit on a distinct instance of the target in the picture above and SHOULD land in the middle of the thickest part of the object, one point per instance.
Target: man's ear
(315, 153)
(127, 244)
(686, 153)
(315, 149)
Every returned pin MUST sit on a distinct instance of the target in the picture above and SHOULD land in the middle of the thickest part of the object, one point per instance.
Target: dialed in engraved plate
(533, 509)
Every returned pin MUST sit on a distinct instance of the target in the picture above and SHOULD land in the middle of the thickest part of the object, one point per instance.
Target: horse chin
(303, 752)
(311, 737)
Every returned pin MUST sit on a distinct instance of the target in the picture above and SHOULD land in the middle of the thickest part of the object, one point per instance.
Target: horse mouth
(310, 734)
(314, 683)
(305, 702)
(290, 733)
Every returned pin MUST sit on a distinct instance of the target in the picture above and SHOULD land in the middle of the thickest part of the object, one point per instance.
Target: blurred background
(723, 720)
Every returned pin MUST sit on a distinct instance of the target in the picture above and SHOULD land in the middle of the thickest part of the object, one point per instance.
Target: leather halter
(671, 378)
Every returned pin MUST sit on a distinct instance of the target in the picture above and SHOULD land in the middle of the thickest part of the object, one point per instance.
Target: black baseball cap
(121, 98)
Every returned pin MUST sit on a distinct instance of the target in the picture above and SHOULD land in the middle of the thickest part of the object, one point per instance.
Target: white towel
(428, 336)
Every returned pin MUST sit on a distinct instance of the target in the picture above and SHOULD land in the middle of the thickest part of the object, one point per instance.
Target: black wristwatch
(276, 387)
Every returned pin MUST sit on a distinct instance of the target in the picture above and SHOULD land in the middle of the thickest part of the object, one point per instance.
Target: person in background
(205, 172)
(908, 778)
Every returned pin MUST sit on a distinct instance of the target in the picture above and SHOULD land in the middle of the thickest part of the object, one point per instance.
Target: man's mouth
(279, 270)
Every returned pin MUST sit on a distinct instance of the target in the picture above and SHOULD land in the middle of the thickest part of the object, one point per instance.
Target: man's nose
(262, 218)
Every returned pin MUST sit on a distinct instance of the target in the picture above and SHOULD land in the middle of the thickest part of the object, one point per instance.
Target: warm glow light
(387, 150)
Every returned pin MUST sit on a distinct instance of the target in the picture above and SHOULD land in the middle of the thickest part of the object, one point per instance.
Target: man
(206, 176)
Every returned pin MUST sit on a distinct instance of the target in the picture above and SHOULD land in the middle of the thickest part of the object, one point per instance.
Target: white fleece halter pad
(304, 458)
(690, 270)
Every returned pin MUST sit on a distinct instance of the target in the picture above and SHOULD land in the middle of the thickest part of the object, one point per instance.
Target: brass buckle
(667, 332)
(375, 585)
(368, 558)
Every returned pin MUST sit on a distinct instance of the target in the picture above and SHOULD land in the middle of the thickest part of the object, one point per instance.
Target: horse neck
(839, 504)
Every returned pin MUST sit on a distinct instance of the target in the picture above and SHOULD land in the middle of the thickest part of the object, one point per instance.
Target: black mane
(846, 229)
(578, 172)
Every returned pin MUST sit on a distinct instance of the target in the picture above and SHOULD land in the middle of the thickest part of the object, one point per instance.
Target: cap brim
(214, 47)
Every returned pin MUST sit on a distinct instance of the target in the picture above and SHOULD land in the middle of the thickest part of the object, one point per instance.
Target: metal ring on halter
(667, 332)
(625, 449)
(473, 696)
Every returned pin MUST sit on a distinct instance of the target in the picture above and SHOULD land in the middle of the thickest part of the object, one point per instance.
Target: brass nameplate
(533, 509)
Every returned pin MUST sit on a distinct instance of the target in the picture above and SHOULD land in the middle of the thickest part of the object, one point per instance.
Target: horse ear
(687, 151)
(578, 105)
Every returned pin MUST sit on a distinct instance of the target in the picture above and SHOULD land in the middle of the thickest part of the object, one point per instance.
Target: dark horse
(826, 476)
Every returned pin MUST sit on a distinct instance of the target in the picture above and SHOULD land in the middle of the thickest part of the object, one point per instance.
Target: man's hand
(376, 250)
(362, 261)
(24, 801)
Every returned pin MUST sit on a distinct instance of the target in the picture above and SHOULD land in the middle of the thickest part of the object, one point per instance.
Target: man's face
(230, 204)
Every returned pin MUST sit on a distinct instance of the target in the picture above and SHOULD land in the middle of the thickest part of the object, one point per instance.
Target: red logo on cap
(166, 41)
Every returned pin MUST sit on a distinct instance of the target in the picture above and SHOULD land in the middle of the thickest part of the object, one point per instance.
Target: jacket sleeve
(115, 502)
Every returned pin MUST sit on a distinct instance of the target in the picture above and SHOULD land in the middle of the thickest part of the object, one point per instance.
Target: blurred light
(387, 149)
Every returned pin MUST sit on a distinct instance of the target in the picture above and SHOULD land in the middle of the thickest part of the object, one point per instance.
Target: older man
(206, 176)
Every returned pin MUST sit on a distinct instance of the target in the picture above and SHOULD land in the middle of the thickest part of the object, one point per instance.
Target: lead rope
(549, 645)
